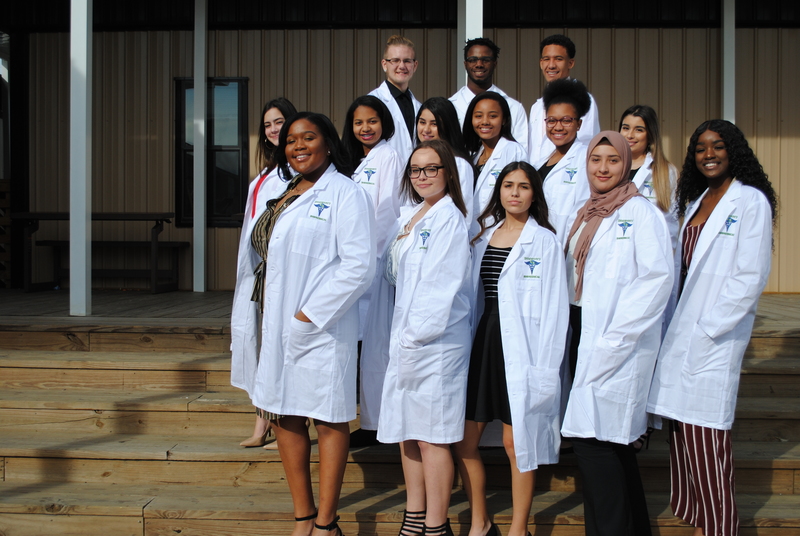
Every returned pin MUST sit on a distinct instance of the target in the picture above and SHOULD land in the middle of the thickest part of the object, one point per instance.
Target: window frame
(184, 180)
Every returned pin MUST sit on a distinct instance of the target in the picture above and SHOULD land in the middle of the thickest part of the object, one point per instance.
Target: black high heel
(333, 525)
(413, 523)
(307, 518)
(643, 441)
(441, 530)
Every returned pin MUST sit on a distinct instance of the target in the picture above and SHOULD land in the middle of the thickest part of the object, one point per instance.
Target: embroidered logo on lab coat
(493, 177)
(532, 263)
(649, 187)
(424, 235)
(733, 218)
(571, 171)
(369, 172)
(624, 225)
(321, 207)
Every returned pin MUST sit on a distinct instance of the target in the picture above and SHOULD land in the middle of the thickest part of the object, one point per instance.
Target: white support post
(470, 26)
(199, 235)
(729, 60)
(80, 159)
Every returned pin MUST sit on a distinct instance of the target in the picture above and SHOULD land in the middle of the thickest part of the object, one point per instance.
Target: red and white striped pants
(702, 479)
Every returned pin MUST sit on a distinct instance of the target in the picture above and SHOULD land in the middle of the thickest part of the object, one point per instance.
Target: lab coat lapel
(312, 193)
(414, 231)
(644, 172)
(714, 224)
(525, 237)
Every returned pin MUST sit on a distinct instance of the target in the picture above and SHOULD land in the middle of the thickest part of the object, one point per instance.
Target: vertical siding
(677, 71)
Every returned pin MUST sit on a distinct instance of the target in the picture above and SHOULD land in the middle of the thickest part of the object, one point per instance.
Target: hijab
(600, 205)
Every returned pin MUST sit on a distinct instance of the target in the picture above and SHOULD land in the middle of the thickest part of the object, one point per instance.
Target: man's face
(480, 64)
(555, 62)
(399, 65)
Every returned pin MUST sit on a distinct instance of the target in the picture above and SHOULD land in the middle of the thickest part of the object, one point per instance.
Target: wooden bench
(31, 221)
(153, 272)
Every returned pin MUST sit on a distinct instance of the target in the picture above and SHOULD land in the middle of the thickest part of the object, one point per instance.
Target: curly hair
(494, 211)
(484, 42)
(744, 166)
(560, 40)
(567, 91)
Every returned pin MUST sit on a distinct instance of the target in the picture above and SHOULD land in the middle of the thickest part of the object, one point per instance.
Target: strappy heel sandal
(413, 523)
(334, 525)
(441, 530)
(307, 518)
(643, 441)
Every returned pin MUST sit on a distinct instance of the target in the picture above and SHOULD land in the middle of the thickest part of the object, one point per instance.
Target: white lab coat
(697, 375)
(505, 152)
(401, 142)
(566, 188)
(539, 145)
(519, 119)
(643, 181)
(379, 174)
(627, 282)
(245, 314)
(534, 317)
(321, 259)
(466, 178)
(424, 391)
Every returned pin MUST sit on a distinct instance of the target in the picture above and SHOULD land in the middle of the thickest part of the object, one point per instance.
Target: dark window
(226, 152)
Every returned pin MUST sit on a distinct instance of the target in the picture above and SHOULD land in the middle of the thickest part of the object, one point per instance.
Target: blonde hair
(398, 40)
(660, 167)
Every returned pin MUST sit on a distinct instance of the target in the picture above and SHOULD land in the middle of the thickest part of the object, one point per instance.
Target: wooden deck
(125, 422)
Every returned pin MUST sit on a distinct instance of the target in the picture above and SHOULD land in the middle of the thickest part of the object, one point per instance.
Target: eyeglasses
(429, 171)
(396, 61)
(476, 59)
(565, 121)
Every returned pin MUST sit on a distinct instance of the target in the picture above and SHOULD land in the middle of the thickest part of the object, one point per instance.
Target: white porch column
(470, 26)
(199, 235)
(80, 159)
(729, 60)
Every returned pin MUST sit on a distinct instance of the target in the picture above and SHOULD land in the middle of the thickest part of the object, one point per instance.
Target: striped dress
(701, 459)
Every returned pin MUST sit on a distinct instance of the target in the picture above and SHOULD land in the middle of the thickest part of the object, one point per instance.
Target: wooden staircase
(126, 429)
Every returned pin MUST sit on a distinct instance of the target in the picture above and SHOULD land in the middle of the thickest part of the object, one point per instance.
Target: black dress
(487, 392)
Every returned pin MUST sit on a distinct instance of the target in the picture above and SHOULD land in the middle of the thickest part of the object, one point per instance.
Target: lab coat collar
(319, 186)
(714, 224)
(373, 152)
(643, 172)
(525, 237)
(568, 158)
(407, 214)
(498, 151)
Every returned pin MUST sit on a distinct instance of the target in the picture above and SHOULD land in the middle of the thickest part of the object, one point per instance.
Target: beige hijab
(600, 206)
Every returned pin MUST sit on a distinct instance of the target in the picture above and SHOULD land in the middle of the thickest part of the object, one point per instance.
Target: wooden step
(777, 376)
(114, 342)
(132, 458)
(181, 371)
(201, 510)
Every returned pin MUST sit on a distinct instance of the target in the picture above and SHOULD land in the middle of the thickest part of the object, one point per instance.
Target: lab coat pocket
(310, 347)
(704, 354)
(411, 373)
(311, 238)
(543, 390)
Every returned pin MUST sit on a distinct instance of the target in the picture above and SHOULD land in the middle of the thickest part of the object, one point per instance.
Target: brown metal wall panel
(677, 71)
(785, 172)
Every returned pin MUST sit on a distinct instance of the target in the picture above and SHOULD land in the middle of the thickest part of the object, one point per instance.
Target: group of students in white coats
(475, 300)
